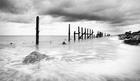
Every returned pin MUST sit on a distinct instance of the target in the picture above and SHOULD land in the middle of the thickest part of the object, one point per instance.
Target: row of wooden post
(84, 33)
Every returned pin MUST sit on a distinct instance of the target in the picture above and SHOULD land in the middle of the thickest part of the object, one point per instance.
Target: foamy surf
(101, 60)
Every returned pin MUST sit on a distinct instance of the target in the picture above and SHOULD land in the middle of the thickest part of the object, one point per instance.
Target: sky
(17, 17)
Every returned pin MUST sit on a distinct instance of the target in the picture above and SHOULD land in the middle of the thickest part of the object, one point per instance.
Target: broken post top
(37, 16)
(37, 21)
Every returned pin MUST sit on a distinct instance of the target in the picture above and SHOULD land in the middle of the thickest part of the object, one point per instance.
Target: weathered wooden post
(37, 30)
(74, 36)
(90, 34)
(69, 33)
(85, 33)
(82, 33)
(78, 33)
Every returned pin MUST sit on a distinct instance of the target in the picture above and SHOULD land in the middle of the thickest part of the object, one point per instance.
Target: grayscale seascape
(69, 40)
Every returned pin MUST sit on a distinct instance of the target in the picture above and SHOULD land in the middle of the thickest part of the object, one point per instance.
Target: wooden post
(85, 33)
(74, 36)
(37, 30)
(82, 33)
(78, 33)
(69, 33)
(90, 33)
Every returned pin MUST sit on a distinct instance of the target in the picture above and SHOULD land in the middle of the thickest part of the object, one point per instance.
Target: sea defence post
(69, 34)
(37, 30)
(84, 34)
(81, 34)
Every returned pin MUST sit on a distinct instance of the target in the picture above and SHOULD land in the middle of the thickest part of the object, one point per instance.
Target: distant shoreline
(29, 35)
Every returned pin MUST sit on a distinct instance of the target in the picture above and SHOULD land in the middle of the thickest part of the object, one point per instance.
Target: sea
(98, 59)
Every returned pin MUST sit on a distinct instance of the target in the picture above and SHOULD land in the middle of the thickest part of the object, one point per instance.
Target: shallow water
(103, 59)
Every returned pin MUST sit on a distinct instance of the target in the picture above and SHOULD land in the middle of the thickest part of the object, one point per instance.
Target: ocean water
(102, 59)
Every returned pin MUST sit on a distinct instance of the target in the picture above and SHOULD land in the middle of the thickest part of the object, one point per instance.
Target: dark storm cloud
(14, 6)
(116, 12)
(74, 17)
(6, 6)
(17, 11)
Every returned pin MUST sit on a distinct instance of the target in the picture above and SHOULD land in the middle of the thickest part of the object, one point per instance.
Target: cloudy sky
(17, 17)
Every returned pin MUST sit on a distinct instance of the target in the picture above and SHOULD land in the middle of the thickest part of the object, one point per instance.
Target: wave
(101, 60)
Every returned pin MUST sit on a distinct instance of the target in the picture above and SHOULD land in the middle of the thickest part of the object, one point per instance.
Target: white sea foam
(105, 59)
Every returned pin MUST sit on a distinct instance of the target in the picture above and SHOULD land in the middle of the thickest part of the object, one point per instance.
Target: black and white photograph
(69, 40)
